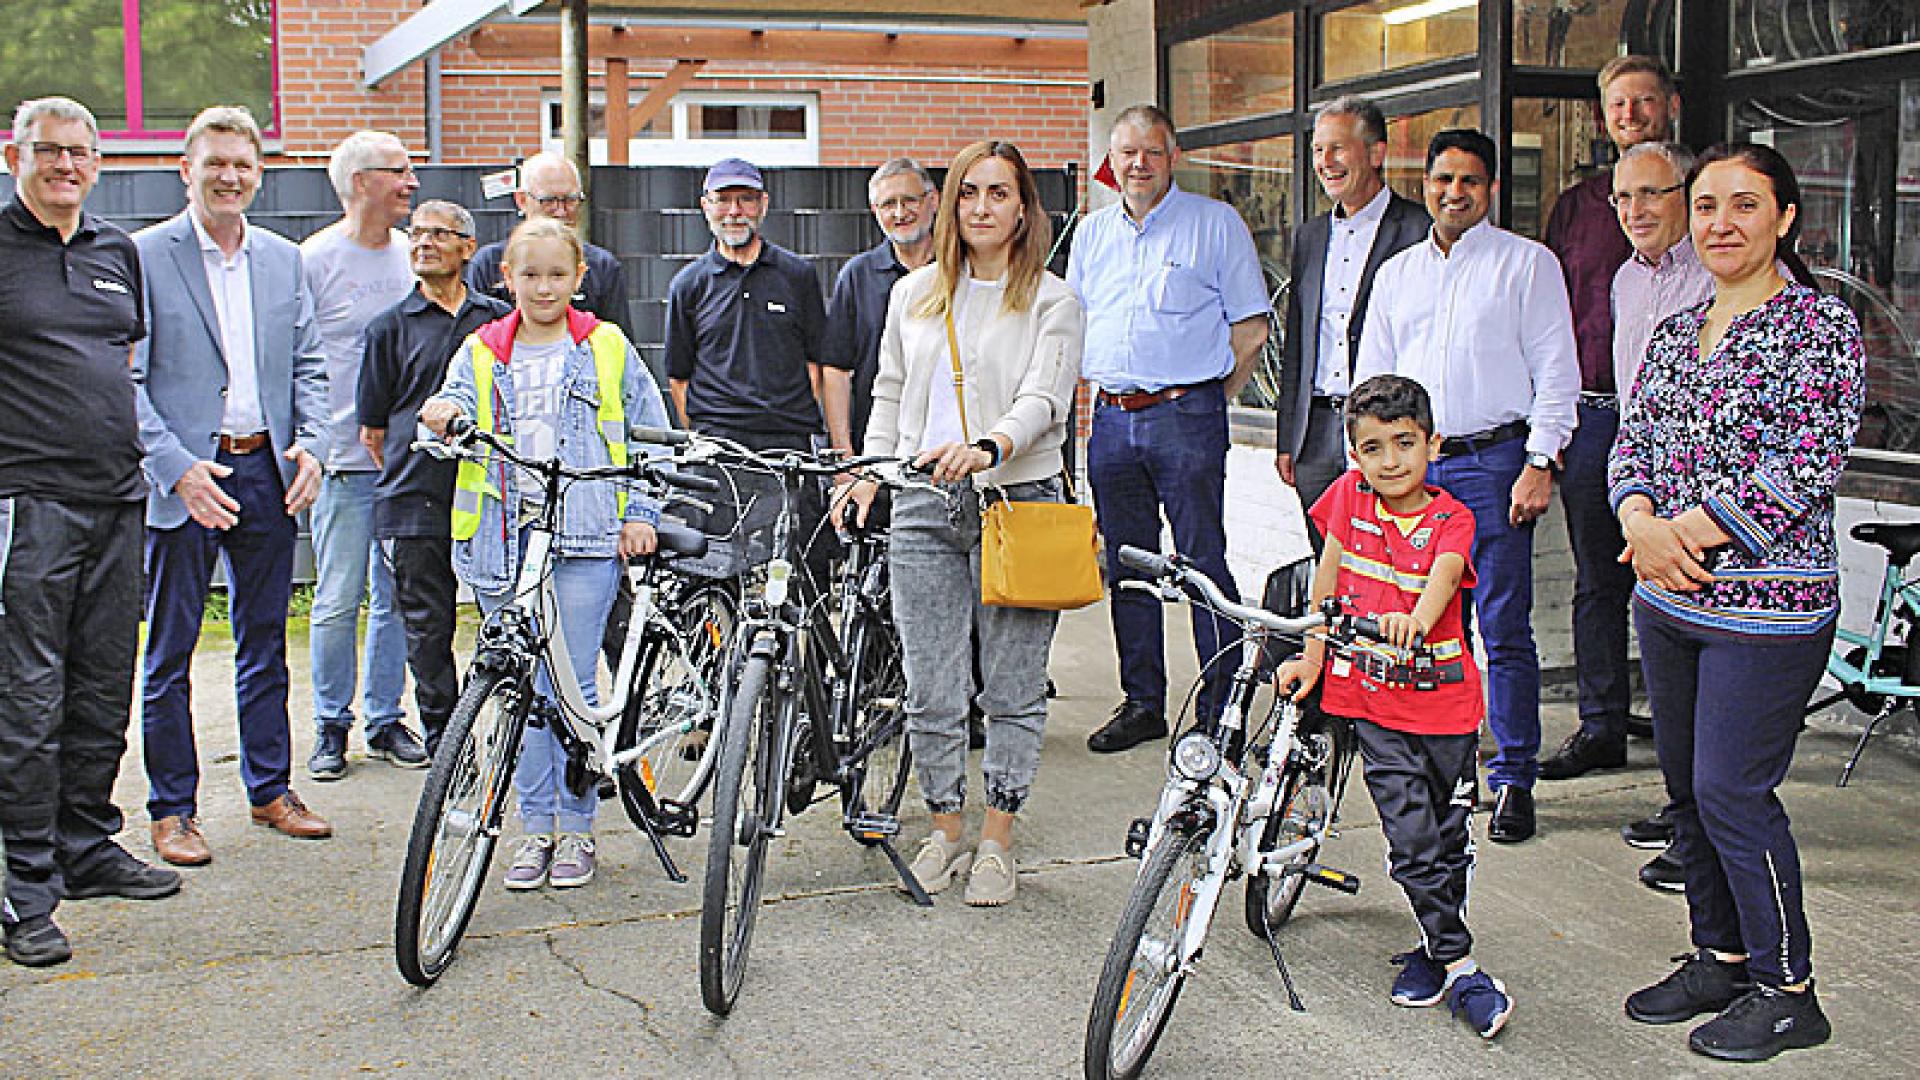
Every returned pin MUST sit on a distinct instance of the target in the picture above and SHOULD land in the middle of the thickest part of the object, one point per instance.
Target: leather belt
(1594, 400)
(244, 444)
(1136, 400)
(1336, 402)
(1480, 440)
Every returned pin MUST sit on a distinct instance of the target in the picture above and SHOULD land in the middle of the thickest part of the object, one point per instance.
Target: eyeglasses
(559, 202)
(1618, 199)
(902, 202)
(47, 153)
(436, 233)
(391, 170)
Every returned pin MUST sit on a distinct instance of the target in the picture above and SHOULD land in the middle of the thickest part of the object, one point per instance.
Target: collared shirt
(855, 318)
(1349, 242)
(230, 279)
(1161, 294)
(1644, 295)
(408, 348)
(1485, 328)
(350, 284)
(603, 289)
(70, 311)
(742, 337)
(1584, 234)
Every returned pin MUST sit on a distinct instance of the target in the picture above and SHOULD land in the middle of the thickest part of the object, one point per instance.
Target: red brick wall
(494, 118)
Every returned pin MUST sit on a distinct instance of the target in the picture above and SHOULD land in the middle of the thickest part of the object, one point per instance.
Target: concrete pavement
(277, 958)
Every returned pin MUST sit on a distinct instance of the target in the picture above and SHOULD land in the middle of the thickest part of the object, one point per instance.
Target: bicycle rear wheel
(458, 821)
(1303, 810)
(737, 844)
(677, 687)
(1141, 980)
(879, 694)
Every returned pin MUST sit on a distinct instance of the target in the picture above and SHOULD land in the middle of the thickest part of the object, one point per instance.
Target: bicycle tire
(1150, 924)
(737, 842)
(671, 686)
(878, 691)
(1306, 795)
(463, 800)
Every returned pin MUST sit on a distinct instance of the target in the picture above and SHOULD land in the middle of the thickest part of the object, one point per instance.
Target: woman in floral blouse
(1723, 479)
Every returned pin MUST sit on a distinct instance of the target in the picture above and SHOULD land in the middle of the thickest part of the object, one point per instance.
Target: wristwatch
(992, 448)
(1540, 461)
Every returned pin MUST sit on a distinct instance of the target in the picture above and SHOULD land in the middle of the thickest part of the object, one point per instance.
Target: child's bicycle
(1879, 671)
(1252, 794)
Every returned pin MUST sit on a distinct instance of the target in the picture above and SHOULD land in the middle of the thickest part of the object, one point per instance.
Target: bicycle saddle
(680, 540)
(1901, 539)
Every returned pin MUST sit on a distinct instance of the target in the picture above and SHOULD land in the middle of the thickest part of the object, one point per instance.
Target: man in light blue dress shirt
(1176, 311)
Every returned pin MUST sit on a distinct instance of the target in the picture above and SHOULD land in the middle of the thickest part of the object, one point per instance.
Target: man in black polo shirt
(71, 511)
(550, 188)
(744, 328)
(903, 200)
(408, 348)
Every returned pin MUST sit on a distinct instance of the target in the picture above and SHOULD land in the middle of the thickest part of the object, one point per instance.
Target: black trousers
(70, 592)
(1602, 585)
(1322, 460)
(1423, 786)
(425, 591)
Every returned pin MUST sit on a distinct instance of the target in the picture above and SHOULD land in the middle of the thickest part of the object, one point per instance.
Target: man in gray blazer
(1334, 258)
(231, 391)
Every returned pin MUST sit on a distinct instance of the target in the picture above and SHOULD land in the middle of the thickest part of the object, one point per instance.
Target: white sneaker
(938, 862)
(994, 878)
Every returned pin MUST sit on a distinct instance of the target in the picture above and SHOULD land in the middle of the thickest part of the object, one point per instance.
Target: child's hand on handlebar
(1299, 673)
(436, 414)
(1401, 629)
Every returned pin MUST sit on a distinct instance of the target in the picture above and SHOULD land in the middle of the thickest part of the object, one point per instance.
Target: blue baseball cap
(733, 172)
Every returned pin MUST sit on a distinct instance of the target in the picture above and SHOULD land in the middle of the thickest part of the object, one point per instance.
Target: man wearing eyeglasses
(408, 348)
(1638, 102)
(550, 187)
(71, 308)
(232, 393)
(357, 268)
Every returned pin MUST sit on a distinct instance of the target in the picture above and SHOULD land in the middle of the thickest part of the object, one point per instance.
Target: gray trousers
(934, 555)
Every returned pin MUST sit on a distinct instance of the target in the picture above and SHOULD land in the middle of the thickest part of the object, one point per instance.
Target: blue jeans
(1170, 456)
(1602, 586)
(584, 588)
(1501, 605)
(346, 562)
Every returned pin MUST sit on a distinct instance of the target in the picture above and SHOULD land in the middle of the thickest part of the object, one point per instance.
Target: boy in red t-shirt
(1396, 550)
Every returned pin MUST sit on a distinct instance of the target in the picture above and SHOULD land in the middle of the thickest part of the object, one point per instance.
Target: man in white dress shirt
(1479, 316)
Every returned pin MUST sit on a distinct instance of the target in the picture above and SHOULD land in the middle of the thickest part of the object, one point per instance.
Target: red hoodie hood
(498, 334)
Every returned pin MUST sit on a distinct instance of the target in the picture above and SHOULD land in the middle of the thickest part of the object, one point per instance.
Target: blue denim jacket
(589, 526)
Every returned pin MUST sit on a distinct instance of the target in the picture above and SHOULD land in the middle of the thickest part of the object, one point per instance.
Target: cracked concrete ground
(277, 958)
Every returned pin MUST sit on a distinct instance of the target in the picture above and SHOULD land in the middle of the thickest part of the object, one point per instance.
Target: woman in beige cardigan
(1017, 330)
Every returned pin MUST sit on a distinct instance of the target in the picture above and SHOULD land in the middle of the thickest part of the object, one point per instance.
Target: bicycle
(805, 709)
(1253, 799)
(457, 824)
(1879, 671)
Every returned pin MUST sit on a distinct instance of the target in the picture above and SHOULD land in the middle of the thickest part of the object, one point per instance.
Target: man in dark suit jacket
(1334, 258)
(231, 391)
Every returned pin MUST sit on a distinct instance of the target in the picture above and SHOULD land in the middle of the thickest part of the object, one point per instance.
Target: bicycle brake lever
(435, 448)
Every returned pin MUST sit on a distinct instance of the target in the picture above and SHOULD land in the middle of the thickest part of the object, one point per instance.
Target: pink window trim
(136, 129)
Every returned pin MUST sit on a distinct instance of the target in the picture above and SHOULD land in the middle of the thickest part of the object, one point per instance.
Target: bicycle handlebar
(1175, 568)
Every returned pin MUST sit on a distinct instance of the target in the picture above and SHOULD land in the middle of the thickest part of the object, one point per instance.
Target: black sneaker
(1582, 753)
(1664, 873)
(1132, 724)
(1700, 984)
(396, 745)
(124, 876)
(1649, 833)
(1512, 821)
(1761, 1024)
(36, 942)
(329, 760)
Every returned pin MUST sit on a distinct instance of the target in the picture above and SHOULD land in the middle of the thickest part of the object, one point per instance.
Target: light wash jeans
(346, 562)
(585, 589)
(934, 557)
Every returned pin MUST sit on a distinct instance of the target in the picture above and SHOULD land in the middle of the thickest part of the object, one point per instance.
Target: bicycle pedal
(1137, 832)
(1337, 880)
(873, 827)
(676, 818)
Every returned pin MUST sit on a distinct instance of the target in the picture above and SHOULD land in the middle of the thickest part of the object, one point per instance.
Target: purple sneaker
(531, 863)
(572, 861)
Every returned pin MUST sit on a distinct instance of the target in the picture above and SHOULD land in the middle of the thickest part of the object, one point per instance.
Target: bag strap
(959, 379)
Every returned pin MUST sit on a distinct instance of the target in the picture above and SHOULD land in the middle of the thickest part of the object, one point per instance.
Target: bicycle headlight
(1195, 757)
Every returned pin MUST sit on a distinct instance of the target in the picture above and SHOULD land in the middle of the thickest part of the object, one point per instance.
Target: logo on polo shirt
(109, 285)
(1419, 538)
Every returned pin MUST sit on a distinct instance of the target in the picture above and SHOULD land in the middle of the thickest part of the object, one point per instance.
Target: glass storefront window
(1256, 178)
(1237, 73)
(1775, 31)
(1387, 35)
(1585, 36)
(1856, 153)
(1556, 144)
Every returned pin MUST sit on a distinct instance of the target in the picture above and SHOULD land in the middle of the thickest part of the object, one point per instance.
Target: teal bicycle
(1879, 671)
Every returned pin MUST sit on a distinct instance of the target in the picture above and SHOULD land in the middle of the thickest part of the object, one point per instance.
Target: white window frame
(681, 149)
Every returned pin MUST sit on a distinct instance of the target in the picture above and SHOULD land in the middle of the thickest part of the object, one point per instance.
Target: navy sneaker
(1761, 1024)
(1483, 1000)
(329, 760)
(397, 745)
(1421, 982)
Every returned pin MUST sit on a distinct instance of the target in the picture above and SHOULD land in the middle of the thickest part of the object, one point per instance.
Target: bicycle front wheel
(737, 843)
(879, 697)
(458, 821)
(1142, 977)
(676, 700)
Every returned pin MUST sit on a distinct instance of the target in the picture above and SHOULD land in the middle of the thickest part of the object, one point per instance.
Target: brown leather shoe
(291, 816)
(178, 841)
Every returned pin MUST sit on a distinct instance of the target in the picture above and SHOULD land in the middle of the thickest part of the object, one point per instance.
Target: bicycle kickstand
(907, 879)
(1280, 962)
(659, 846)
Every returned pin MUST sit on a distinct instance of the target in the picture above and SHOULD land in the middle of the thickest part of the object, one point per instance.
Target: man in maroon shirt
(1639, 104)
